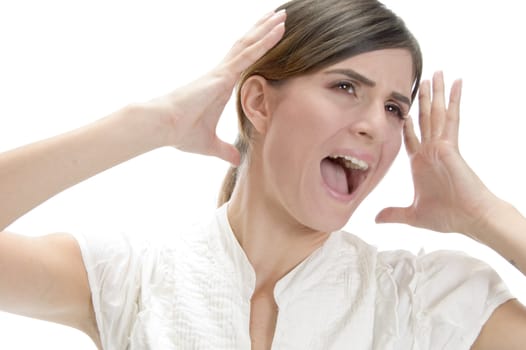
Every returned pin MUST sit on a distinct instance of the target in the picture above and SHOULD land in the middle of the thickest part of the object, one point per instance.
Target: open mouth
(343, 174)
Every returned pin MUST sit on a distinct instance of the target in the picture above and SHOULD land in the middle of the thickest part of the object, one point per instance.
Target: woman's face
(353, 109)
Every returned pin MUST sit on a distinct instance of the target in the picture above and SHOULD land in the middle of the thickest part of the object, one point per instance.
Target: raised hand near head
(448, 195)
(192, 112)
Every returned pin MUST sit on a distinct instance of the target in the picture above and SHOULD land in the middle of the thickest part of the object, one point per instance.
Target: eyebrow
(366, 81)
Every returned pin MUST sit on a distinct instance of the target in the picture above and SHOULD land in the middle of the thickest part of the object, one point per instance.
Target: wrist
(505, 232)
(154, 128)
(494, 222)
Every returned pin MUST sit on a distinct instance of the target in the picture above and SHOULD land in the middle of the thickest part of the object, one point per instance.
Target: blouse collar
(308, 271)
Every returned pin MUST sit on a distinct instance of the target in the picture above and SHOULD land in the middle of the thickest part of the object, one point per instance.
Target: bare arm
(32, 174)
(45, 277)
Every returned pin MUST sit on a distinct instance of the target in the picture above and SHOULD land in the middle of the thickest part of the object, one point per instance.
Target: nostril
(365, 128)
(365, 134)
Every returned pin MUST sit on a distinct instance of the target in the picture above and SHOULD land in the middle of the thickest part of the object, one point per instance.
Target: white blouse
(194, 293)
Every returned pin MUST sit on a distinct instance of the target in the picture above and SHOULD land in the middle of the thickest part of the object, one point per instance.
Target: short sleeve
(457, 295)
(443, 298)
(113, 266)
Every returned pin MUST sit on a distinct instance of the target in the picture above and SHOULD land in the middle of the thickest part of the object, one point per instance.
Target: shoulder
(445, 296)
(125, 270)
(99, 247)
(439, 270)
(348, 243)
(443, 277)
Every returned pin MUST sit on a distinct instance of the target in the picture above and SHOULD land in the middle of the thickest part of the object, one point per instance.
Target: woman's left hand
(449, 196)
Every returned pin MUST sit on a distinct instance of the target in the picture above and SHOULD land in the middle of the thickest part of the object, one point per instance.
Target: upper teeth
(351, 162)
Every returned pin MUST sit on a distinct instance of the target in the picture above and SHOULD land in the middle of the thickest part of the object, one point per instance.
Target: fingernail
(280, 12)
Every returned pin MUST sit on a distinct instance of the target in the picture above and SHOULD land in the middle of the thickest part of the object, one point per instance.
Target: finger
(265, 24)
(438, 106)
(453, 113)
(258, 31)
(410, 139)
(226, 152)
(264, 18)
(257, 42)
(424, 102)
(394, 215)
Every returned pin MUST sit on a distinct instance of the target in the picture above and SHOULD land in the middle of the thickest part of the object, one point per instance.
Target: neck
(272, 240)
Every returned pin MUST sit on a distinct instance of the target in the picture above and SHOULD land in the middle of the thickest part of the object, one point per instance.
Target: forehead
(391, 68)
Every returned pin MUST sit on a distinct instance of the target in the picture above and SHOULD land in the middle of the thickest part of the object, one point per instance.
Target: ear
(255, 97)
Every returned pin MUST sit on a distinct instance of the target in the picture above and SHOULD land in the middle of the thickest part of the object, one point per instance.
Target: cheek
(389, 150)
(392, 147)
(297, 125)
(396, 140)
(296, 130)
(281, 143)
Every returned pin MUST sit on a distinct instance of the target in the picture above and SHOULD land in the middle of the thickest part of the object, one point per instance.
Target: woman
(315, 141)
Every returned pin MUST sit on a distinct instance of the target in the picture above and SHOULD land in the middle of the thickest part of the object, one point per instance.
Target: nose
(370, 122)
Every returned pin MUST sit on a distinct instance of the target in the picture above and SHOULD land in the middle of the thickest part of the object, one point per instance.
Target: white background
(64, 64)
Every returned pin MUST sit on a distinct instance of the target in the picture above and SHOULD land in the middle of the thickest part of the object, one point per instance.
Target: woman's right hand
(192, 111)
(186, 118)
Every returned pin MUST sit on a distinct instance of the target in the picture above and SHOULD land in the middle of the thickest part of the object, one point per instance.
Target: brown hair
(320, 33)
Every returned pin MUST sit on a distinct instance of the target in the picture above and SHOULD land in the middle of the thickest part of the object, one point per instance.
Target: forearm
(34, 173)
(505, 232)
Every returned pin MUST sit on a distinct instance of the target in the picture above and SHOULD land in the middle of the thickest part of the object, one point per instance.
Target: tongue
(334, 176)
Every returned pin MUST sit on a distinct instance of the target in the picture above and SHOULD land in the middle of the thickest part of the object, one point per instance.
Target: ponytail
(230, 180)
(227, 187)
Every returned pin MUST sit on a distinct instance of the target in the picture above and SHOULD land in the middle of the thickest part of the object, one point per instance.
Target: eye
(397, 111)
(347, 86)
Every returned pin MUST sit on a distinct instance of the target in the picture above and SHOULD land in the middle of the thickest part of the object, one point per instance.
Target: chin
(328, 218)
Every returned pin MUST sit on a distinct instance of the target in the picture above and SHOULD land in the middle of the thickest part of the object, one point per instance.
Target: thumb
(227, 152)
(394, 215)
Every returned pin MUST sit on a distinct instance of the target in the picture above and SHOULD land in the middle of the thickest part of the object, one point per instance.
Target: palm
(449, 196)
(446, 190)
